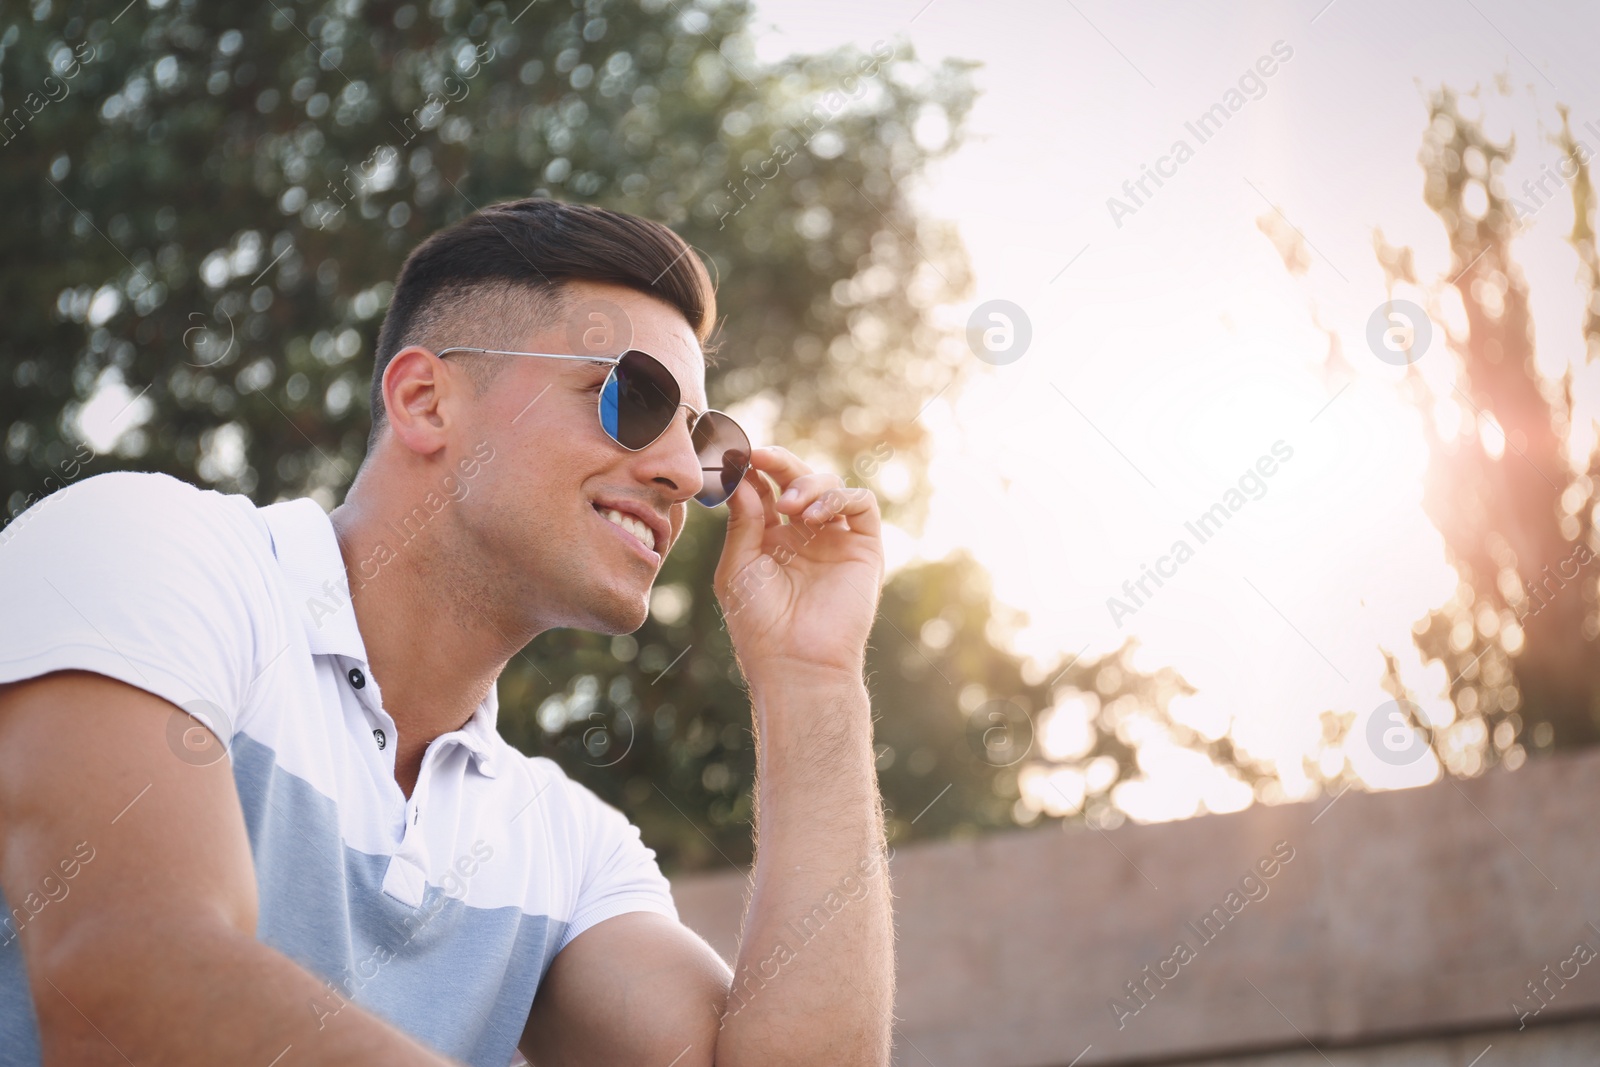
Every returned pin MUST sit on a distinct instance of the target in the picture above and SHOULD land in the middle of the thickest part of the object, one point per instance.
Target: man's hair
(469, 284)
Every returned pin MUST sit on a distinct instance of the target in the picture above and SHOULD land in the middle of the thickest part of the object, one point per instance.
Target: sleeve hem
(150, 677)
(614, 906)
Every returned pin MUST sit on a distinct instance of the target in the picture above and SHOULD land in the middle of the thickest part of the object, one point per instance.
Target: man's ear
(418, 388)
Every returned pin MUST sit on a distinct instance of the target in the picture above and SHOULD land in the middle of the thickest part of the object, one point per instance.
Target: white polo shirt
(440, 913)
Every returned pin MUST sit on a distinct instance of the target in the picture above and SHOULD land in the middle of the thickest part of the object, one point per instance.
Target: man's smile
(645, 531)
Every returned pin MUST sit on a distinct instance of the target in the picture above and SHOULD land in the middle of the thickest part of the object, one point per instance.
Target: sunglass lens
(638, 401)
(724, 452)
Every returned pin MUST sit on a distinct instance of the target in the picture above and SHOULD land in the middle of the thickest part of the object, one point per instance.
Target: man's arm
(150, 954)
(814, 978)
(814, 982)
(815, 967)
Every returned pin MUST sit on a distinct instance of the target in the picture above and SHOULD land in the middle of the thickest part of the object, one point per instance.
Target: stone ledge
(1404, 914)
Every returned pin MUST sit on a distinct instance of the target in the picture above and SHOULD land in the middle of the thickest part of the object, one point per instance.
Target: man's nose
(671, 461)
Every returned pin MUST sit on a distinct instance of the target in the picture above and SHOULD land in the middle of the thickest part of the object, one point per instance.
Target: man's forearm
(814, 980)
(201, 996)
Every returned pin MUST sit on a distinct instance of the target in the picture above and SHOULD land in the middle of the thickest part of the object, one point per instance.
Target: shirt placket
(406, 877)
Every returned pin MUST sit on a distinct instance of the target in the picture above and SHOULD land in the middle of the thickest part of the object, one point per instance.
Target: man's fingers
(747, 525)
(769, 498)
(816, 500)
(806, 490)
(783, 465)
(838, 507)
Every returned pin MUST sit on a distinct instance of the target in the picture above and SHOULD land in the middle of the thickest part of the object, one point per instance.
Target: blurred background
(1227, 371)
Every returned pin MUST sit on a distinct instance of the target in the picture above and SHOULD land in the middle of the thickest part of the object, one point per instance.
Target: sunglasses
(638, 402)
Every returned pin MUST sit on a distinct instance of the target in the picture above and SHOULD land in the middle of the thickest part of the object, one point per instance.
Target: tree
(1518, 636)
(1511, 480)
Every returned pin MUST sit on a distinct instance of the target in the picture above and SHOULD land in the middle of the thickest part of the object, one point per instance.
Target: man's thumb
(747, 525)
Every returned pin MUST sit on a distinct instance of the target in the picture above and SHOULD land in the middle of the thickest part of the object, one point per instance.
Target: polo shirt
(440, 913)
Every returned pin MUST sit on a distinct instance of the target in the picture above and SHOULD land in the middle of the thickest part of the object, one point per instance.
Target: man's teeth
(646, 536)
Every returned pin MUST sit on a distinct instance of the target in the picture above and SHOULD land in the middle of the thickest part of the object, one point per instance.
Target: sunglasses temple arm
(610, 361)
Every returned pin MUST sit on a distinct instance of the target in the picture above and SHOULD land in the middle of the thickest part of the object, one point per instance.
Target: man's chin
(616, 615)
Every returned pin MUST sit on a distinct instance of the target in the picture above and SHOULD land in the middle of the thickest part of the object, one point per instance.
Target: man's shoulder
(132, 502)
(137, 535)
(560, 797)
(145, 579)
(547, 777)
(131, 486)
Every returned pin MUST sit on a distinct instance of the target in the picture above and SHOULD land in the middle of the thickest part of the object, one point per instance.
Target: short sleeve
(142, 578)
(620, 872)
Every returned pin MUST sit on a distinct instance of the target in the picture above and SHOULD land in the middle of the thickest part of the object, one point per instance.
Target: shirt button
(357, 679)
(377, 735)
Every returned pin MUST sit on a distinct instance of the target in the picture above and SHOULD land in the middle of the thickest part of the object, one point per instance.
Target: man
(253, 806)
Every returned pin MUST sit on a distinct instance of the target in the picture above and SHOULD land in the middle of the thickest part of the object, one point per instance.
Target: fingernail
(790, 495)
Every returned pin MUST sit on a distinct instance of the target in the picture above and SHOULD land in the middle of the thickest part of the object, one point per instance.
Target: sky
(1172, 352)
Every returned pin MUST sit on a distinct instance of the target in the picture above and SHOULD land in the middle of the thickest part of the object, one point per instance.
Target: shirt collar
(479, 736)
(307, 549)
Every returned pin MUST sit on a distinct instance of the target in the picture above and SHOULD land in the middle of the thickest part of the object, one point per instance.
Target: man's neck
(432, 646)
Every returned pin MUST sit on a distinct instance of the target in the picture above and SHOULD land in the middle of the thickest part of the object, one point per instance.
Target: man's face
(551, 513)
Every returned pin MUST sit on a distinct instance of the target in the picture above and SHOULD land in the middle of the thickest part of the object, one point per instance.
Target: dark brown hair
(467, 283)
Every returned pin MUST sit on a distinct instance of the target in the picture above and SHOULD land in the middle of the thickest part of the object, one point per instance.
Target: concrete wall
(1401, 931)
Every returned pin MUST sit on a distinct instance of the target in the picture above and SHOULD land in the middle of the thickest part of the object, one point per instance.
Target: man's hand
(801, 594)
